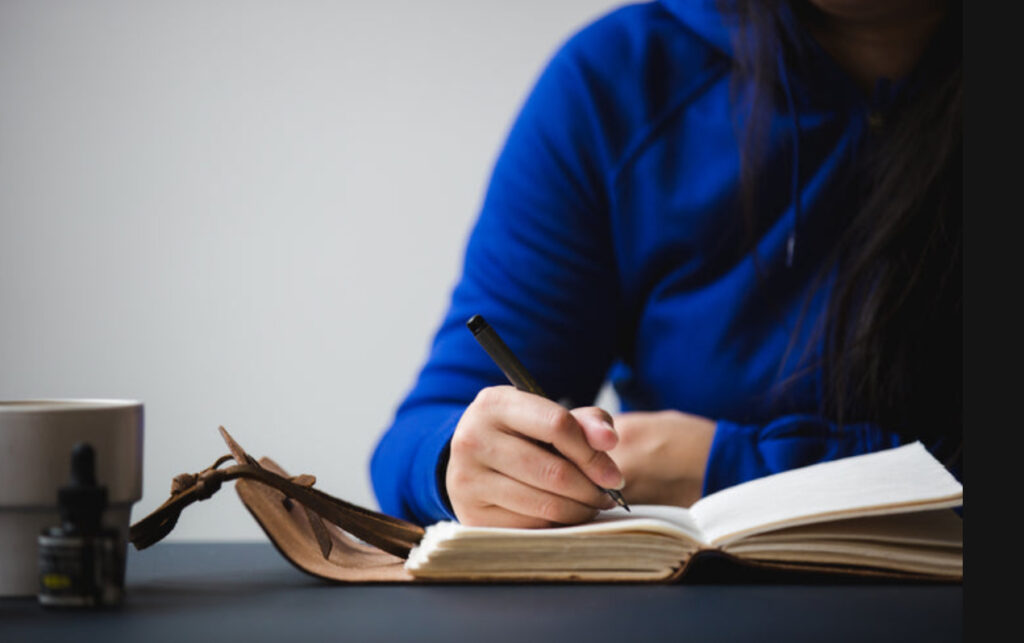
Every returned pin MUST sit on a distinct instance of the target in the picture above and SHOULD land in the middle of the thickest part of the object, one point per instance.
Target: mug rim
(51, 405)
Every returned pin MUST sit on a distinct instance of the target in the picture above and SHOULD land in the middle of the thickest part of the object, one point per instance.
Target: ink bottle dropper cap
(82, 501)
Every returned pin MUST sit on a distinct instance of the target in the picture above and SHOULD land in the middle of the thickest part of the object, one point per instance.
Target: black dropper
(82, 501)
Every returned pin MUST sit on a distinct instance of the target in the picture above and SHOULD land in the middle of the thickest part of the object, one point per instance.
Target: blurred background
(248, 213)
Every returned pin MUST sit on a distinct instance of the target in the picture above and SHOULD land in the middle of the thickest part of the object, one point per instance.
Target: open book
(887, 512)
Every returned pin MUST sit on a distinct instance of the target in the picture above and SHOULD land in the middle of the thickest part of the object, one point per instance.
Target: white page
(657, 518)
(874, 483)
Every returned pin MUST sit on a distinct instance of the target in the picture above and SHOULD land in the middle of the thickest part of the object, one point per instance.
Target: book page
(932, 528)
(901, 479)
(660, 519)
(652, 518)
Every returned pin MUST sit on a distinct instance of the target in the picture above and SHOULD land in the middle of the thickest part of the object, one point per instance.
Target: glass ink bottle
(81, 562)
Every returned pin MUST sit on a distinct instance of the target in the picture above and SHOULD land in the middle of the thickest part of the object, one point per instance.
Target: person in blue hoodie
(745, 215)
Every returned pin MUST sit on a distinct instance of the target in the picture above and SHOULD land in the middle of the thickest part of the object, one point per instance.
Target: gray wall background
(248, 213)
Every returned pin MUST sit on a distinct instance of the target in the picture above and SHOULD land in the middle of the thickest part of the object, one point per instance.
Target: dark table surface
(222, 592)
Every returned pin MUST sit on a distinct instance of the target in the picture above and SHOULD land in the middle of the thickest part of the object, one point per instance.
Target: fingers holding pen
(526, 461)
(547, 422)
(544, 508)
(500, 458)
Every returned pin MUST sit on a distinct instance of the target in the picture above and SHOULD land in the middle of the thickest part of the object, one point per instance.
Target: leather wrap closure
(387, 533)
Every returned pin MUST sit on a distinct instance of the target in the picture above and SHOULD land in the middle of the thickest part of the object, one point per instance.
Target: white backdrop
(248, 213)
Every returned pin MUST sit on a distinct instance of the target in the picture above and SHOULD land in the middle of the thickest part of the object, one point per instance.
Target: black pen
(516, 373)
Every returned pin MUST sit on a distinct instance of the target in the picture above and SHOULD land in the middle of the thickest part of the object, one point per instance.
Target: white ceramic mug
(36, 438)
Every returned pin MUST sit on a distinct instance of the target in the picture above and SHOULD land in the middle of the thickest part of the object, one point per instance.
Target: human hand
(663, 456)
(501, 473)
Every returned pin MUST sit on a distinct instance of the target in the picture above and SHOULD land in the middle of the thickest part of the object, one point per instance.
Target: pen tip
(617, 497)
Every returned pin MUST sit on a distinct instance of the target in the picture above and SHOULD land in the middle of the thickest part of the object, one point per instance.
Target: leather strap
(385, 532)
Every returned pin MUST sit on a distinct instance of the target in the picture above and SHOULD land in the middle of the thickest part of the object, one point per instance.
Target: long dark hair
(893, 326)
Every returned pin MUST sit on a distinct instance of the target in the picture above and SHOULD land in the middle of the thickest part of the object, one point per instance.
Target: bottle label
(79, 571)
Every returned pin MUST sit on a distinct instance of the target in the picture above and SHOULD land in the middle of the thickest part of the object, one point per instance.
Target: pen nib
(619, 500)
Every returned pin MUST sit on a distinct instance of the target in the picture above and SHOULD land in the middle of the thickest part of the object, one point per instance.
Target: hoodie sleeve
(537, 266)
(742, 452)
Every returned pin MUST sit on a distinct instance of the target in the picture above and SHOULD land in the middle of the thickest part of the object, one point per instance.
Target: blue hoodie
(607, 248)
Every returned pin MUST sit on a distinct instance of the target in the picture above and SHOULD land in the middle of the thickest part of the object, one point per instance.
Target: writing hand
(500, 472)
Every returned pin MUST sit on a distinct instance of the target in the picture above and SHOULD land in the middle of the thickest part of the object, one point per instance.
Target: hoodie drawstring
(795, 183)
